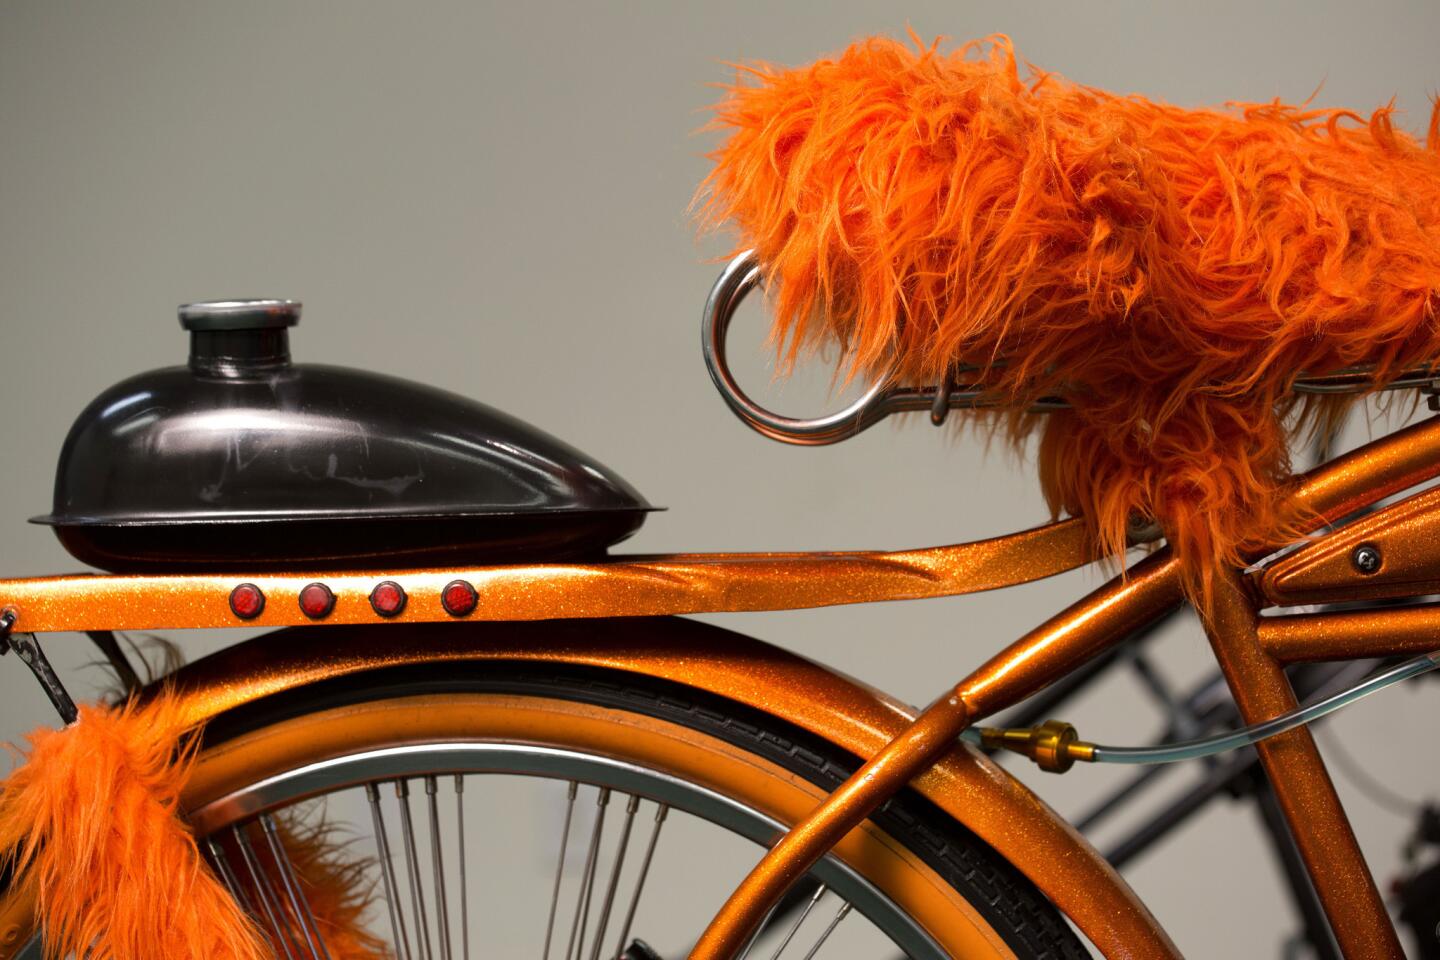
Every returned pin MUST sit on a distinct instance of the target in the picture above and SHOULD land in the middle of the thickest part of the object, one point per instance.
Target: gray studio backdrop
(492, 198)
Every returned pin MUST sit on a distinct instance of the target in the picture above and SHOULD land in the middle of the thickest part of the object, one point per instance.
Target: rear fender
(963, 783)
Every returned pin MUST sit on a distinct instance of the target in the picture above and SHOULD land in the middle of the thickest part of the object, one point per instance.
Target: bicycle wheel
(602, 815)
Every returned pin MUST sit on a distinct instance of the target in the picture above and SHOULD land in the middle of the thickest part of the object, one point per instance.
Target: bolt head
(1366, 559)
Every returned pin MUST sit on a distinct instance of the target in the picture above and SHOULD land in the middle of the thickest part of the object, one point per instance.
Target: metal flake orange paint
(969, 787)
(1407, 537)
(641, 586)
(721, 582)
(1302, 786)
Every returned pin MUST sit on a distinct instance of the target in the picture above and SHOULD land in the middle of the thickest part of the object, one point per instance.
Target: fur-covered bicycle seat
(1169, 271)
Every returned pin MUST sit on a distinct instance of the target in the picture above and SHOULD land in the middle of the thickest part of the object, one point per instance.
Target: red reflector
(316, 601)
(246, 601)
(387, 598)
(458, 598)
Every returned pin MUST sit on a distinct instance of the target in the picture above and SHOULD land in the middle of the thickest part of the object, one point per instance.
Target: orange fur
(336, 885)
(90, 824)
(1170, 271)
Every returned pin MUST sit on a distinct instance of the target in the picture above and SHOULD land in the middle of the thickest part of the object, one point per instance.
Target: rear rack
(881, 400)
(636, 586)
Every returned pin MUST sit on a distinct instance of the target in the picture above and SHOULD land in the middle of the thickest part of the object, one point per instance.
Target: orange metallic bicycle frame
(1250, 647)
(1307, 797)
(624, 587)
(962, 782)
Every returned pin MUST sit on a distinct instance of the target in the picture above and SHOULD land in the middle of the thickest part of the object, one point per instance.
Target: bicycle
(400, 662)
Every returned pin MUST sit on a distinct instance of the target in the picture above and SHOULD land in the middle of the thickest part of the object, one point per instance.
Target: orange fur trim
(89, 822)
(1170, 271)
(337, 886)
(91, 828)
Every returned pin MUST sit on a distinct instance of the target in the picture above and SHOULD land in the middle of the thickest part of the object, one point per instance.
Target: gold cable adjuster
(1053, 745)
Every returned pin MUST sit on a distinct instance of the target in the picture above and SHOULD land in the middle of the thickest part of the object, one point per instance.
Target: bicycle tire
(1027, 923)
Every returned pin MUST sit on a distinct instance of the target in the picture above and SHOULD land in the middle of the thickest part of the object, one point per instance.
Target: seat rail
(885, 398)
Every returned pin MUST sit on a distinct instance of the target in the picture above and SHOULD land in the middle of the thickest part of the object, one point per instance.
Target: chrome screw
(1366, 559)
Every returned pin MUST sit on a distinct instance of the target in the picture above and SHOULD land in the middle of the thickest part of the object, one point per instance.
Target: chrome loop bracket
(741, 276)
(881, 400)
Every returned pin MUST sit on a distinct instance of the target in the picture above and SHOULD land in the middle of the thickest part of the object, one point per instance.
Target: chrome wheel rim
(414, 771)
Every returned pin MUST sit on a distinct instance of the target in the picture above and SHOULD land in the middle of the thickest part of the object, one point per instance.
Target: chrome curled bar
(743, 274)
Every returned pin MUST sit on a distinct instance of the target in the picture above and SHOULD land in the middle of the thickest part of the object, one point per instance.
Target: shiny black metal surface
(245, 459)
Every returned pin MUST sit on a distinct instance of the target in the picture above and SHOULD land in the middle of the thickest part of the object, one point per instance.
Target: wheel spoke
(587, 878)
(269, 903)
(560, 866)
(299, 906)
(640, 880)
(387, 873)
(460, 846)
(660, 811)
(608, 903)
(795, 927)
(759, 931)
(227, 874)
(825, 934)
(412, 865)
(442, 907)
(232, 882)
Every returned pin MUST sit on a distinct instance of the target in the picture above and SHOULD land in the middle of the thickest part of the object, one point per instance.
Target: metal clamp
(27, 648)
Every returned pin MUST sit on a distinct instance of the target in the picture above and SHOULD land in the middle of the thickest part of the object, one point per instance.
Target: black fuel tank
(245, 460)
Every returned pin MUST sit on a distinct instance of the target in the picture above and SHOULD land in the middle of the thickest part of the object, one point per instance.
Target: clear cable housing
(1244, 737)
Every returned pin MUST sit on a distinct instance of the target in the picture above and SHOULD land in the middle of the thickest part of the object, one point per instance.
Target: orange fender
(860, 719)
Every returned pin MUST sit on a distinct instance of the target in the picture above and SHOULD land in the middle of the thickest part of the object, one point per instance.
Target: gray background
(492, 198)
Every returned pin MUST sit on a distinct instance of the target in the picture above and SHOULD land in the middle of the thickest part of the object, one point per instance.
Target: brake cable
(1055, 745)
